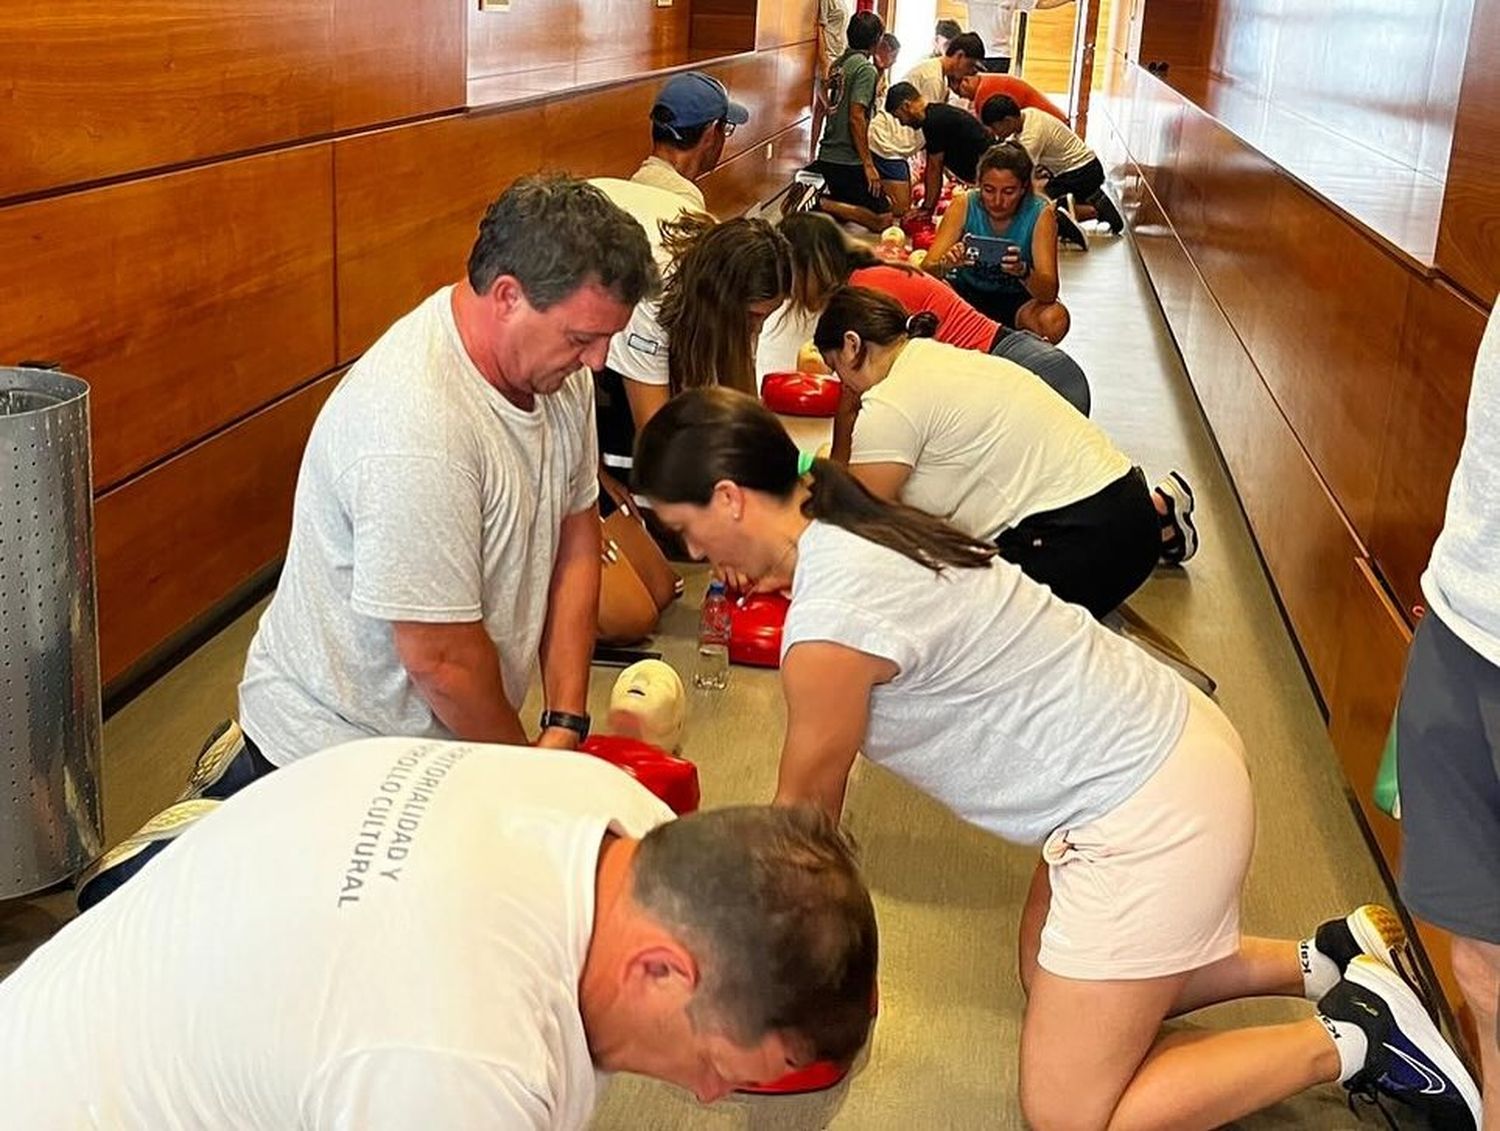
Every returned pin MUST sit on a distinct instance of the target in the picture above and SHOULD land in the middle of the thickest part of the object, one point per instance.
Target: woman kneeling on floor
(983, 442)
(917, 644)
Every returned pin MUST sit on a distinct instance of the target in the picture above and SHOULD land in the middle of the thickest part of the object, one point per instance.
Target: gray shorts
(1448, 761)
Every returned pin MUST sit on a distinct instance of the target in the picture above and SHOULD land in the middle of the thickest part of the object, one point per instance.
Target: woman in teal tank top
(1021, 290)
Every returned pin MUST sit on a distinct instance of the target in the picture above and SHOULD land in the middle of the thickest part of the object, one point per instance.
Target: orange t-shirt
(1020, 90)
(959, 324)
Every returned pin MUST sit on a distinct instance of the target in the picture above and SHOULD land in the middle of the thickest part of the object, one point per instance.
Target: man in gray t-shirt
(445, 533)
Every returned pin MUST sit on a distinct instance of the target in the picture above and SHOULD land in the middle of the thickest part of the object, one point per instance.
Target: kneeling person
(445, 935)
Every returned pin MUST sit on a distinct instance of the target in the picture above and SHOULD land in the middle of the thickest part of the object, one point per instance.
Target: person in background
(1075, 176)
(1021, 289)
(691, 120)
(892, 145)
(851, 182)
(400, 933)
(1448, 725)
(943, 33)
(977, 89)
(961, 59)
(992, 19)
(831, 40)
(953, 139)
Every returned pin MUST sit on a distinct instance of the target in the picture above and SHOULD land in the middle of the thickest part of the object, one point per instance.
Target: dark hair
(678, 137)
(948, 29)
(708, 435)
(899, 95)
(718, 270)
(889, 41)
(873, 316)
(770, 901)
(998, 107)
(554, 234)
(823, 258)
(1008, 156)
(968, 44)
(865, 30)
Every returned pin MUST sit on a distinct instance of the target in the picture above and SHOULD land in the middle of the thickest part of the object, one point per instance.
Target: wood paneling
(1178, 32)
(172, 543)
(780, 22)
(755, 176)
(186, 300)
(1469, 236)
(1426, 429)
(726, 25)
(96, 90)
(408, 208)
(396, 59)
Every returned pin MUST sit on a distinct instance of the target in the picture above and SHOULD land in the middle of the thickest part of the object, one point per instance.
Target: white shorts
(1152, 888)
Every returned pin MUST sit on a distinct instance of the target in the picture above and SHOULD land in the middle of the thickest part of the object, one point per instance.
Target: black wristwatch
(577, 723)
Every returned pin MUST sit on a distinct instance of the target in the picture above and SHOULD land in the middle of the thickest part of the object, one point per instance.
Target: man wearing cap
(692, 118)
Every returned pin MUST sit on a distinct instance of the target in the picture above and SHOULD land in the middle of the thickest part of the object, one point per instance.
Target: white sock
(1319, 972)
(1352, 1044)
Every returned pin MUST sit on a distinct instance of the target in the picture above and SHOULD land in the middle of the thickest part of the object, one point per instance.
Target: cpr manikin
(648, 702)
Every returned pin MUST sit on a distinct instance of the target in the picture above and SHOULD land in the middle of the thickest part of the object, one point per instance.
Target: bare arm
(884, 480)
(949, 236)
(457, 670)
(572, 622)
(645, 400)
(827, 688)
(1042, 282)
(1043, 5)
(843, 426)
(932, 183)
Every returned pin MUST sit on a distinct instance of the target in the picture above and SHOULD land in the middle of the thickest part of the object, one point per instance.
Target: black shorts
(1002, 306)
(846, 184)
(1448, 764)
(1095, 552)
(1083, 182)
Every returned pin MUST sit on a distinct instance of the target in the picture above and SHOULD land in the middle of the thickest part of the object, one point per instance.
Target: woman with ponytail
(1001, 456)
(914, 643)
(824, 259)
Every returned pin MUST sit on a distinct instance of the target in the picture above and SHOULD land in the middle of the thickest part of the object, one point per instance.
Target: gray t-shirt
(424, 495)
(852, 83)
(1018, 711)
(1462, 582)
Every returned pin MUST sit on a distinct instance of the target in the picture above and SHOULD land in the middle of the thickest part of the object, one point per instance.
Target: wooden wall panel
(736, 185)
(1425, 431)
(396, 59)
(408, 208)
(186, 300)
(97, 90)
(172, 543)
(1469, 233)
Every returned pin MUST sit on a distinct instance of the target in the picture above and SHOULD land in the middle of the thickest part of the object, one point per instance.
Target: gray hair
(553, 234)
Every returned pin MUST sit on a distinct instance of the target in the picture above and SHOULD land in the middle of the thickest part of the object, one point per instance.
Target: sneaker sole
(1411, 1017)
(222, 747)
(1187, 503)
(170, 823)
(1381, 935)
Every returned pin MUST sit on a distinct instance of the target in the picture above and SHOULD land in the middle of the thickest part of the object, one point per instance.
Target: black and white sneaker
(1067, 227)
(1407, 1059)
(1105, 208)
(1178, 521)
(215, 759)
(1370, 930)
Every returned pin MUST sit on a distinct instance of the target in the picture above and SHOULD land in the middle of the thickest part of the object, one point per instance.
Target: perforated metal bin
(50, 816)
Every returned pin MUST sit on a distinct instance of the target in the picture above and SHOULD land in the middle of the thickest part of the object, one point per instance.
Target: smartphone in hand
(988, 251)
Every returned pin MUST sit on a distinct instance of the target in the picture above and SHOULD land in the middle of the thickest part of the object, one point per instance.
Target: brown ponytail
(875, 317)
(704, 436)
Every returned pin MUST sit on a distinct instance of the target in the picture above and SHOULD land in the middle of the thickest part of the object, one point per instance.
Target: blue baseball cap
(695, 99)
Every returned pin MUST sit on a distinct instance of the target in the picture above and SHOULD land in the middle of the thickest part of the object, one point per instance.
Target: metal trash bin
(50, 815)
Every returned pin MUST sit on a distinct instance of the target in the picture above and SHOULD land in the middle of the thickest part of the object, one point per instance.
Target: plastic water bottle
(712, 673)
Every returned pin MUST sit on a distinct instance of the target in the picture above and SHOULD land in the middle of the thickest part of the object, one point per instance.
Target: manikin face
(537, 350)
(648, 702)
(1001, 193)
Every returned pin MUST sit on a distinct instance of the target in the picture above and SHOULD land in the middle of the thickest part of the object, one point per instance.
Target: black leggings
(1095, 552)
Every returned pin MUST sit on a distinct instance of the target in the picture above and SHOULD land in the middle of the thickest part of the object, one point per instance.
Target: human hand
(557, 738)
(872, 181)
(1012, 264)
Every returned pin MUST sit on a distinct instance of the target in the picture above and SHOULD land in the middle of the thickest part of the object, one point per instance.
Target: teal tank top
(1020, 230)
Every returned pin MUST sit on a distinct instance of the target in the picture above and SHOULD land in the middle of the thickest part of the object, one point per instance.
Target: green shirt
(852, 83)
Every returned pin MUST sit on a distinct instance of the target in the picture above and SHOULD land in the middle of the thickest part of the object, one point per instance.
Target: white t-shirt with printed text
(989, 443)
(386, 936)
(1017, 710)
(424, 495)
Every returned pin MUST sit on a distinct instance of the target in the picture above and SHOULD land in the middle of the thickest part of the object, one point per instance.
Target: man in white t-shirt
(992, 19)
(444, 533)
(692, 118)
(1075, 176)
(402, 933)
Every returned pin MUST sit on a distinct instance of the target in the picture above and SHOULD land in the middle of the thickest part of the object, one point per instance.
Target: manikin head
(555, 273)
(648, 702)
(729, 948)
(692, 118)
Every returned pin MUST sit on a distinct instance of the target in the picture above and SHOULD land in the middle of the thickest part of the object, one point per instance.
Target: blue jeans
(1049, 363)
